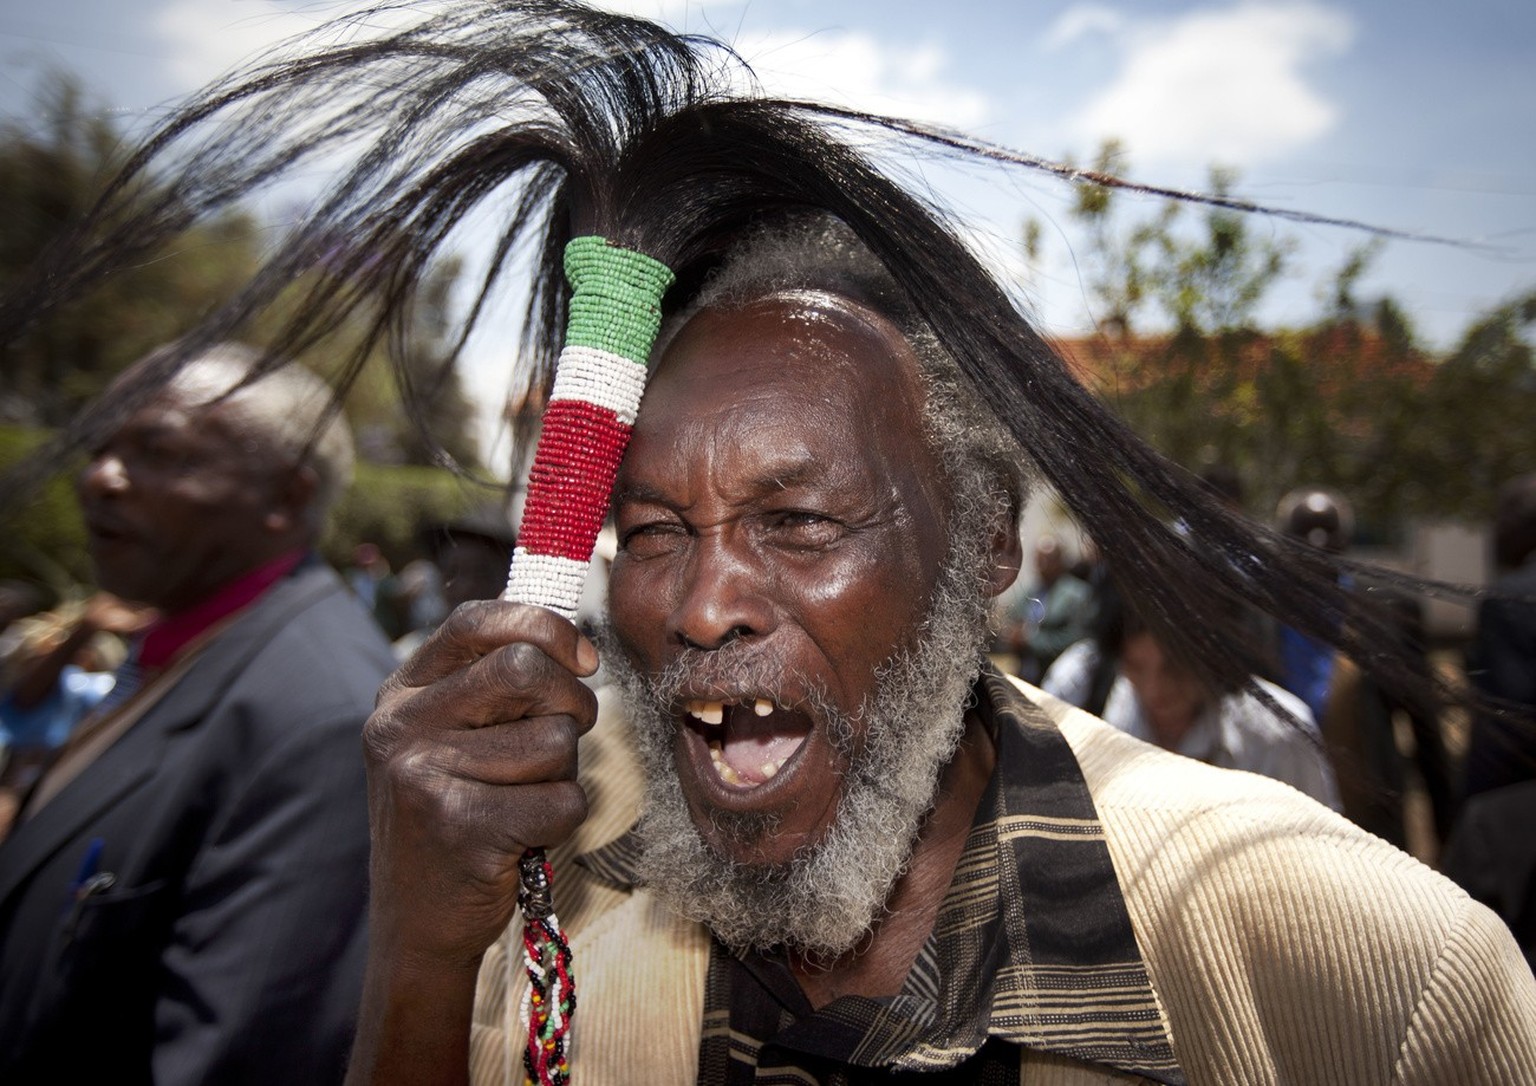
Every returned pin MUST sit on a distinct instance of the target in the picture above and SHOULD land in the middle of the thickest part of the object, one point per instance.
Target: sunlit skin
(1170, 696)
(775, 494)
(183, 499)
(777, 491)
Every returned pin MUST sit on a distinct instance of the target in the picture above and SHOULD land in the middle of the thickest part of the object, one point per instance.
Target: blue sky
(1411, 114)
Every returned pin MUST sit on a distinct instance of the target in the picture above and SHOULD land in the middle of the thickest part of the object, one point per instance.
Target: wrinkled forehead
(786, 338)
(196, 413)
(806, 383)
(170, 409)
(203, 405)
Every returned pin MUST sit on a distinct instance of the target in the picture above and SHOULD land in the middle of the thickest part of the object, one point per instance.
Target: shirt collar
(163, 640)
(1033, 944)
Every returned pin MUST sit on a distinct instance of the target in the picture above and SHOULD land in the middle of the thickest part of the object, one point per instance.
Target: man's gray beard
(830, 895)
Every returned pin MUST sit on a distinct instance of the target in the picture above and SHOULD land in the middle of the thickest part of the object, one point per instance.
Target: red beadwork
(572, 478)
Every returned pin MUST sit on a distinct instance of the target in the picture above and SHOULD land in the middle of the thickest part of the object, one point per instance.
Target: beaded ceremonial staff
(615, 312)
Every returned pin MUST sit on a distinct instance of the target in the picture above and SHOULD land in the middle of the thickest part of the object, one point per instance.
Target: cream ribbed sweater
(1286, 945)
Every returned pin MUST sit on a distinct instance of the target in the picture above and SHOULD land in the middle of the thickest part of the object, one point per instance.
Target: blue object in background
(48, 724)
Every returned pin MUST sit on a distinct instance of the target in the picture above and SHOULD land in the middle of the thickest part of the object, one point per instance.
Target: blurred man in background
(182, 897)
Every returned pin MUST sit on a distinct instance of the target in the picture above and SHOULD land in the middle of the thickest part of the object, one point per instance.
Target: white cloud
(1081, 22)
(209, 37)
(841, 67)
(1219, 84)
(853, 68)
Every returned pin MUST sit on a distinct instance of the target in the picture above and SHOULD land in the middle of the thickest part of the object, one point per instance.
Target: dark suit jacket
(1492, 855)
(1503, 665)
(228, 947)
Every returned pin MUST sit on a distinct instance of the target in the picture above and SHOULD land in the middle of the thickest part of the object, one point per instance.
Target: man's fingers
(547, 813)
(484, 824)
(511, 682)
(478, 628)
(529, 751)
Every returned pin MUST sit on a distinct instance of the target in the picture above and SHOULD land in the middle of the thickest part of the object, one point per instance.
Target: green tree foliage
(390, 504)
(443, 432)
(1474, 431)
(1349, 400)
(45, 542)
(52, 167)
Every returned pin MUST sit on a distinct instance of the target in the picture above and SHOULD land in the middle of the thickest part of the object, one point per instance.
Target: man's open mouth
(750, 739)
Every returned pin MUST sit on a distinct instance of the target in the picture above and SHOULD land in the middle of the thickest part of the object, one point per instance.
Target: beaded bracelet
(614, 315)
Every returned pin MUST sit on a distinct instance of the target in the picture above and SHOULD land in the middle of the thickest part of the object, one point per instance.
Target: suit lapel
(135, 756)
(232, 650)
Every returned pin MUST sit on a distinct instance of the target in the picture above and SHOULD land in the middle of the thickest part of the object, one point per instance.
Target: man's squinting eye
(651, 537)
(801, 527)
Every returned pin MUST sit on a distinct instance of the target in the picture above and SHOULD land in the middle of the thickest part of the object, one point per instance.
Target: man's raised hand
(471, 757)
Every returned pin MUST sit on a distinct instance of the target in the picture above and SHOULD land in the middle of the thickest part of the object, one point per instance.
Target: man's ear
(1007, 552)
(293, 495)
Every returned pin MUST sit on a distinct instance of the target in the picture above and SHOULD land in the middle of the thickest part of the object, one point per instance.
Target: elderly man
(862, 852)
(863, 856)
(183, 898)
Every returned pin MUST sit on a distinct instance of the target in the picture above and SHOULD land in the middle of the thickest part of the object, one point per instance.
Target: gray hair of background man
(290, 408)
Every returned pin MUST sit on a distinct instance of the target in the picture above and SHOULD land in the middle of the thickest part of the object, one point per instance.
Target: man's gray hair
(290, 408)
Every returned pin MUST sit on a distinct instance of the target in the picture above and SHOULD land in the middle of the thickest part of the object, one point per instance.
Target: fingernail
(586, 656)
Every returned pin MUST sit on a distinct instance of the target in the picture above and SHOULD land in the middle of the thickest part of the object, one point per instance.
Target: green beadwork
(615, 298)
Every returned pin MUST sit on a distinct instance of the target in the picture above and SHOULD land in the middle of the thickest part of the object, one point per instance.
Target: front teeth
(713, 712)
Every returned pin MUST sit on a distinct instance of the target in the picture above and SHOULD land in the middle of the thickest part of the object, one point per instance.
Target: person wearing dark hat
(1503, 656)
(862, 854)
(1490, 851)
(472, 553)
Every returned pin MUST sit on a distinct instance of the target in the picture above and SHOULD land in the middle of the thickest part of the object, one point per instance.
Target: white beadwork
(546, 580)
(601, 378)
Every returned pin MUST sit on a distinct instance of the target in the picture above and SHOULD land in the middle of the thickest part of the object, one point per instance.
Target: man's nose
(721, 599)
(105, 474)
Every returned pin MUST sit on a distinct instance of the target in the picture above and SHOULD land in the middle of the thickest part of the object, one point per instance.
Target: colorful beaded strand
(614, 315)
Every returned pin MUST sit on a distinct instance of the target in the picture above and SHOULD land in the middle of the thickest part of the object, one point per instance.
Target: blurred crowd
(1456, 792)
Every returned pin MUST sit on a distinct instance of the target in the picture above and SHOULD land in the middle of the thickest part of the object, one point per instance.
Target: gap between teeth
(713, 712)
